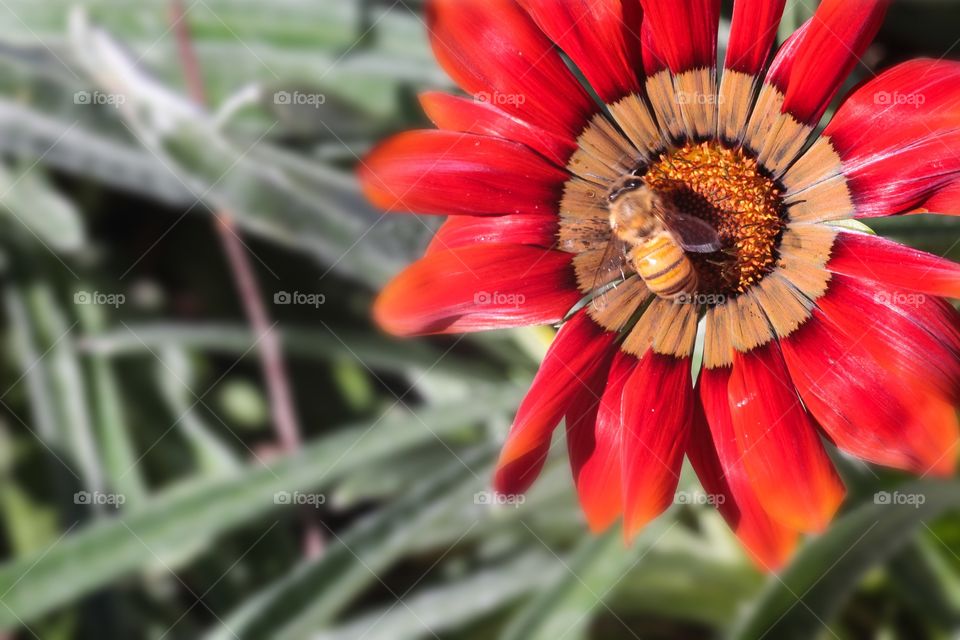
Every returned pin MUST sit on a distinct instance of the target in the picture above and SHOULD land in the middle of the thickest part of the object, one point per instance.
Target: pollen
(727, 188)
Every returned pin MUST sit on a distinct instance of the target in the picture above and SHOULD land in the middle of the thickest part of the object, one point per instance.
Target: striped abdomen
(664, 266)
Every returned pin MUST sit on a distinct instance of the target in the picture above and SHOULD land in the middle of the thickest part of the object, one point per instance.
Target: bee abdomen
(664, 266)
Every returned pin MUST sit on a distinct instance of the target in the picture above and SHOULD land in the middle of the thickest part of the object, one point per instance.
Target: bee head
(623, 186)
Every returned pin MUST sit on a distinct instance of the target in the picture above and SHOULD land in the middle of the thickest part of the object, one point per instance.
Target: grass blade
(107, 550)
(800, 603)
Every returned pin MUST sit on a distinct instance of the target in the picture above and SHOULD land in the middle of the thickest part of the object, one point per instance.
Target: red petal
(946, 201)
(897, 135)
(902, 104)
(906, 178)
(782, 453)
(936, 419)
(594, 427)
(492, 49)
(894, 265)
(657, 414)
(836, 38)
(477, 288)
(873, 413)
(778, 74)
(752, 34)
(716, 458)
(460, 231)
(685, 32)
(598, 37)
(472, 116)
(580, 349)
(443, 172)
(912, 334)
(654, 61)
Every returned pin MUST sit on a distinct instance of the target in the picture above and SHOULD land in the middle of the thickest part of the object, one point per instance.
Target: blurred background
(202, 434)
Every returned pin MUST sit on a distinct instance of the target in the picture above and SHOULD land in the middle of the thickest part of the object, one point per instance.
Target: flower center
(727, 189)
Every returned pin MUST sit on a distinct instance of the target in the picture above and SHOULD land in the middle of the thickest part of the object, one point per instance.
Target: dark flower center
(728, 189)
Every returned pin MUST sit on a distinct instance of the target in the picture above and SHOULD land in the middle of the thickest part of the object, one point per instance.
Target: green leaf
(105, 551)
(550, 510)
(286, 197)
(83, 149)
(853, 225)
(55, 381)
(28, 526)
(565, 606)
(375, 351)
(239, 43)
(365, 485)
(310, 597)
(449, 605)
(804, 599)
(124, 475)
(593, 572)
(688, 586)
(31, 201)
(175, 378)
(926, 580)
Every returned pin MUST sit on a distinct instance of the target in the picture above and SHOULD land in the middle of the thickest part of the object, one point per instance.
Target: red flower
(691, 198)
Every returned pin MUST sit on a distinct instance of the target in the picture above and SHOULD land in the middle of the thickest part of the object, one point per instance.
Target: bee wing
(693, 234)
(610, 268)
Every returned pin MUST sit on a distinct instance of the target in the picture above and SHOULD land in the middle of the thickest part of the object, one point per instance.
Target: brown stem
(269, 344)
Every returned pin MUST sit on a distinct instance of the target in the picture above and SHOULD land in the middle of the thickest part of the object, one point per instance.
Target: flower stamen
(726, 188)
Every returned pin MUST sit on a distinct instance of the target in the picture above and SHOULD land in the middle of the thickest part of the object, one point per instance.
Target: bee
(653, 238)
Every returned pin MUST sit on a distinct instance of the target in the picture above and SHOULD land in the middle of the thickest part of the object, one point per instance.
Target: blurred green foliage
(142, 494)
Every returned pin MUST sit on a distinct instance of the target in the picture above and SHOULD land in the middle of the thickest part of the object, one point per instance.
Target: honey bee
(653, 238)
